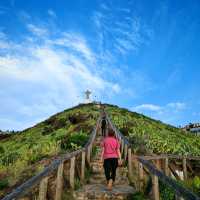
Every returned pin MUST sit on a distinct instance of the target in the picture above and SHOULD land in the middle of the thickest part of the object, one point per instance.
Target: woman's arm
(119, 154)
(102, 153)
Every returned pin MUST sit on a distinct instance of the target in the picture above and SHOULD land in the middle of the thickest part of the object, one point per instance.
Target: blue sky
(141, 55)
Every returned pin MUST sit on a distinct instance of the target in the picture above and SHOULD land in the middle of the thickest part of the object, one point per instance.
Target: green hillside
(24, 154)
(152, 136)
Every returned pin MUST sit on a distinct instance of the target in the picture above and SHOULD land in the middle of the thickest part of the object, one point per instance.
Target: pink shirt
(111, 145)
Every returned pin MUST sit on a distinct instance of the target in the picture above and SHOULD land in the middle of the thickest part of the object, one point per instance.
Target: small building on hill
(193, 128)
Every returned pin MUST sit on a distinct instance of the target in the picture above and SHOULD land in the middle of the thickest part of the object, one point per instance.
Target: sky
(138, 54)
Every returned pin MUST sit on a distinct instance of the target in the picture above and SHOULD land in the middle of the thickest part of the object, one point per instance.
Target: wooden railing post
(141, 176)
(125, 151)
(166, 166)
(43, 189)
(88, 154)
(185, 168)
(72, 172)
(59, 182)
(130, 172)
(82, 166)
(156, 194)
(122, 146)
(158, 164)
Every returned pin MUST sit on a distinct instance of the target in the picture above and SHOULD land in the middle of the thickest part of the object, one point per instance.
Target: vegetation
(166, 192)
(152, 136)
(193, 184)
(27, 152)
(138, 196)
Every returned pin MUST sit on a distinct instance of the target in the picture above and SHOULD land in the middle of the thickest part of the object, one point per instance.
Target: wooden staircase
(96, 188)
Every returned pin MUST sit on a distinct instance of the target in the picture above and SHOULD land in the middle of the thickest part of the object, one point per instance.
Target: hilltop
(25, 153)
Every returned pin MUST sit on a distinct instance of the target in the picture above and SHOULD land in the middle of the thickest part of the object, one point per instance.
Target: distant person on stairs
(109, 157)
(103, 126)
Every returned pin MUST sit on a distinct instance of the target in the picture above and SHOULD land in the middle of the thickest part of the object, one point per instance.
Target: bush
(59, 123)
(3, 184)
(138, 196)
(166, 193)
(9, 158)
(193, 184)
(47, 130)
(2, 150)
(74, 141)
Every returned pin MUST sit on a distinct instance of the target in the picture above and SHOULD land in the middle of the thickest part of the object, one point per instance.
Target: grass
(22, 155)
(152, 136)
(26, 153)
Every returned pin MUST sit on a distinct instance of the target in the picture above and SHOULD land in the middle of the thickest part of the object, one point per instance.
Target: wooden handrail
(24, 188)
(157, 174)
(179, 189)
(169, 156)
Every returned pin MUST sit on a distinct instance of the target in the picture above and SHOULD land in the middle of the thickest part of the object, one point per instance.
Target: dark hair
(111, 133)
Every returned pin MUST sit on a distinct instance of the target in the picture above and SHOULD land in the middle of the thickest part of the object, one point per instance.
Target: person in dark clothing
(109, 157)
(103, 126)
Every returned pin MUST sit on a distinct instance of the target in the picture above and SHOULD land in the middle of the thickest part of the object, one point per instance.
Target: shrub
(166, 193)
(3, 184)
(138, 196)
(73, 141)
(59, 123)
(2, 150)
(193, 184)
(47, 130)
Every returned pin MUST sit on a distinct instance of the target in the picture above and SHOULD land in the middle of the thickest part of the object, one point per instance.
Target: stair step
(102, 180)
(100, 192)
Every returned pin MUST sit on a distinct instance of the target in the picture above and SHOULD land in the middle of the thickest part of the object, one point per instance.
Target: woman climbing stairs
(96, 189)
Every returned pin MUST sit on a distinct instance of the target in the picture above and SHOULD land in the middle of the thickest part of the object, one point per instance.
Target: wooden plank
(158, 164)
(82, 166)
(166, 166)
(43, 189)
(178, 189)
(122, 146)
(130, 169)
(170, 157)
(88, 154)
(185, 168)
(72, 172)
(125, 151)
(156, 194)
(141, 176)
(59, 182)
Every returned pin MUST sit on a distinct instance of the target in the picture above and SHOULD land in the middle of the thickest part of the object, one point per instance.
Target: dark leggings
(110, 166)
(103, 131)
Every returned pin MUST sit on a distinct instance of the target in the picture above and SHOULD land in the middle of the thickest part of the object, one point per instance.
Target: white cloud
(2, 35)
(128, 31)
(75, 42)
(177, 105)
(52, 13)
(167, 113)
(4, 45)
(47, 77)
(38, 31)
(150, 107)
